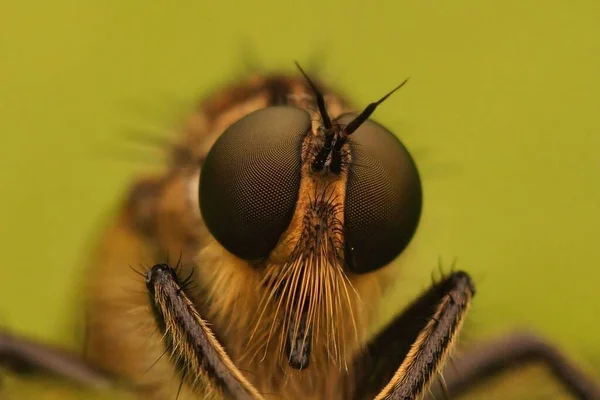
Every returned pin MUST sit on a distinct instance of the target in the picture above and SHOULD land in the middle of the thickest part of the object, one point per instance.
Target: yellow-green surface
(501, 113)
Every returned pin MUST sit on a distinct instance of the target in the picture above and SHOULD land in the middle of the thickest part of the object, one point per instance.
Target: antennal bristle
(320, 99)
(363, 116)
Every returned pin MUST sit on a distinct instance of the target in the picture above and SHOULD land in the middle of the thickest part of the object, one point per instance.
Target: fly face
(311, 207)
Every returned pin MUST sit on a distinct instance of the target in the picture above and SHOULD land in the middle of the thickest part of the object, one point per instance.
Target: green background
(501, 113)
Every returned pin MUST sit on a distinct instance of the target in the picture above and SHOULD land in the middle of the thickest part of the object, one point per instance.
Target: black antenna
(320, 99)
(363, 116)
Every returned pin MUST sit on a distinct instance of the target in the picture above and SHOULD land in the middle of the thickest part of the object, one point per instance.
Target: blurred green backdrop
(500, 112)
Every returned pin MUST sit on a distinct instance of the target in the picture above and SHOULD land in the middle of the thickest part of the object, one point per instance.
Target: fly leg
(201, 360)
(514, 351)
(26, 357)
(402, 360)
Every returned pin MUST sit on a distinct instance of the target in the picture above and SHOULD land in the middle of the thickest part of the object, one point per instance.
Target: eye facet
(383, 197)
(250, 180)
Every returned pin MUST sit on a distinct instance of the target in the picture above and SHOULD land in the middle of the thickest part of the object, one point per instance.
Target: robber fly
(267, 243)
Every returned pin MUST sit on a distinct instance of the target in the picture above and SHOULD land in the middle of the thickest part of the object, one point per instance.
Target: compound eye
(250, 180)
(383, 197)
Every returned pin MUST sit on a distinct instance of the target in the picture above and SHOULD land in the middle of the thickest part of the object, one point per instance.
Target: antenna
(320, 99)
(363, 116)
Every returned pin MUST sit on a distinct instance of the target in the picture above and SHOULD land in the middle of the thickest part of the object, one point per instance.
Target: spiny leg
(26, 357)
(200, 358)
(513, 351)
(401, 361)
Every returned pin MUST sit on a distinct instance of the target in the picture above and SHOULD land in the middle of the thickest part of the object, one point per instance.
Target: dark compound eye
(250, 180)
(383, 197)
